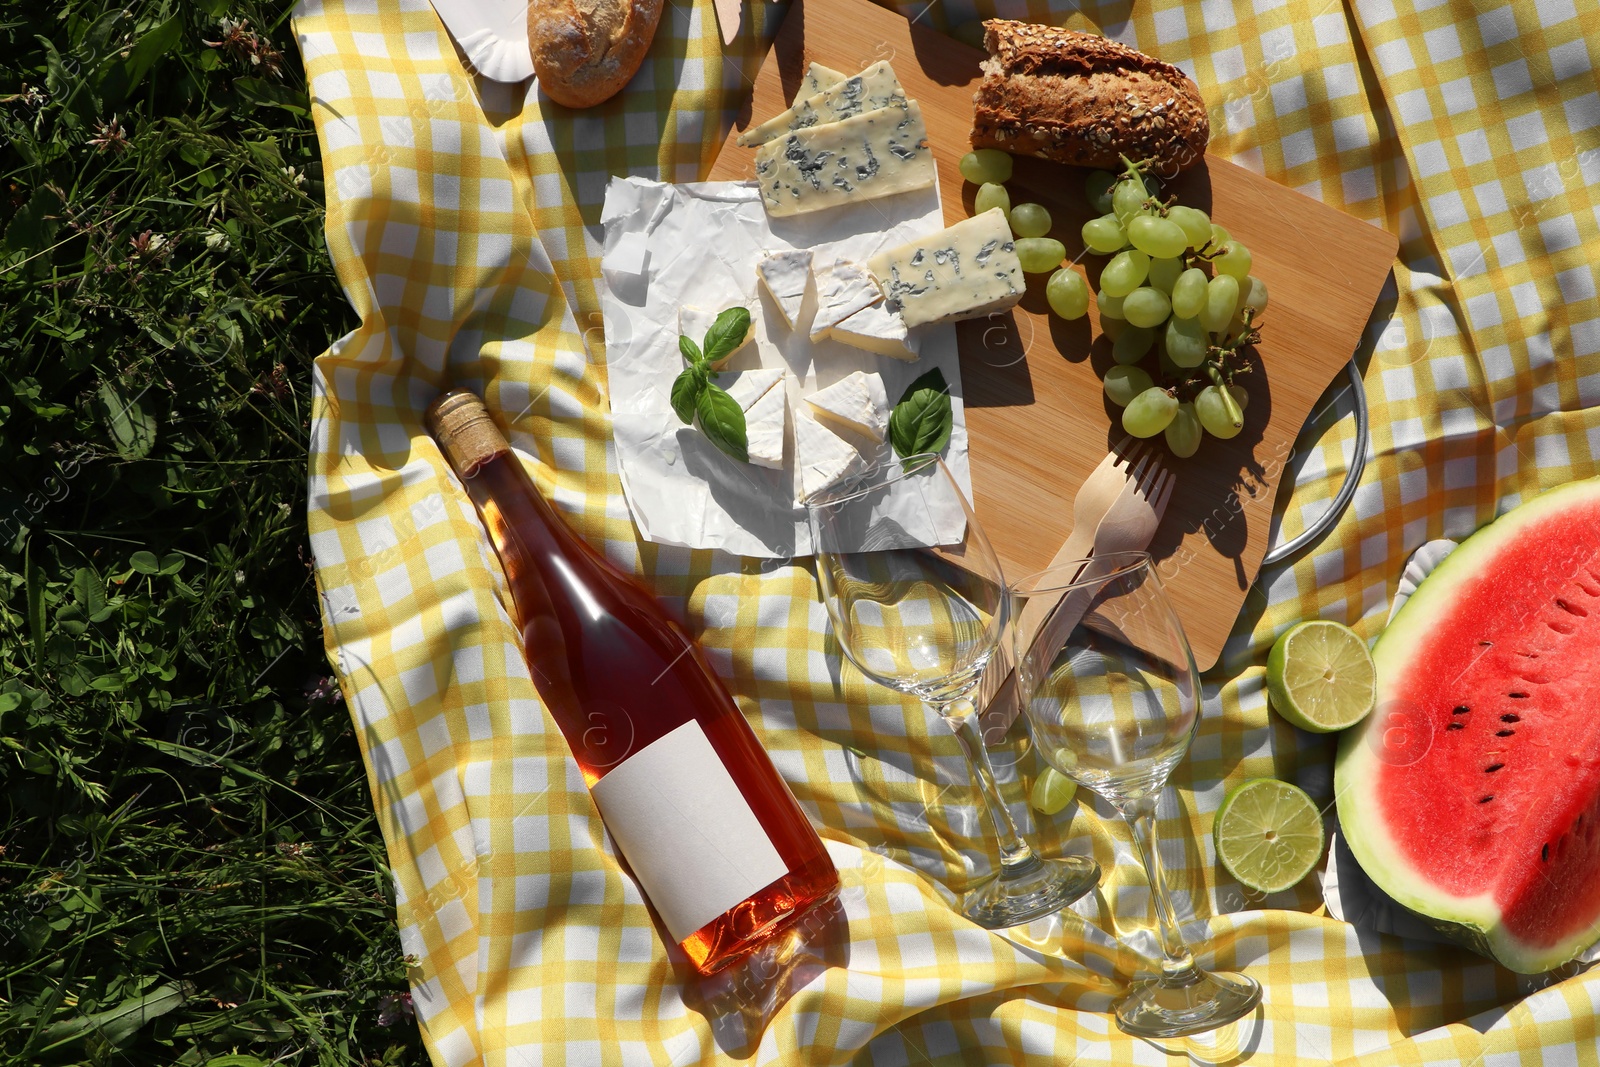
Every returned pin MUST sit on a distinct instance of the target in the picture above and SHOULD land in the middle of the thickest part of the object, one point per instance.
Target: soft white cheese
(763, 426)
(818, 78)
(875, 154)
(822, 457)
(856, 403)
(842, 290)
(967, 270)
(786, 276)
(749, 386)
(872, 89)
(877, 329)
(693, 323)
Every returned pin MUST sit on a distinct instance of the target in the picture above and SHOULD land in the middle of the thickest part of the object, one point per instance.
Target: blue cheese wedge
(877, 329)
(818, 79)
(786, 276)
(693, 322)
(823, 458)
(875, 154)
(963, 272)
(874, 88)
(842, 290)
(856, 403)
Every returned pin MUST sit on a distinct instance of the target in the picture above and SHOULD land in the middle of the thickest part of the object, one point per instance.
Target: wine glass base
(1033, 890)
(1158, 1007)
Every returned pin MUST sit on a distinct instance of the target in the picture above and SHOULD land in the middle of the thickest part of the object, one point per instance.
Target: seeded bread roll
(1082, 99)
(585, 51)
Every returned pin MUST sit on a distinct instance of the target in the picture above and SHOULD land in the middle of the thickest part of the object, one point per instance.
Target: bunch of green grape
(1177, 285)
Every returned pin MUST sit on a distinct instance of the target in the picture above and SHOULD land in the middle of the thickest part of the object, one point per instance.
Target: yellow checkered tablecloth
(463, 220)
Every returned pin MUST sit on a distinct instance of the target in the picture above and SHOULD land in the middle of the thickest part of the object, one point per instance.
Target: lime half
(1268, 834)
(1052, 791)
(1320, 677)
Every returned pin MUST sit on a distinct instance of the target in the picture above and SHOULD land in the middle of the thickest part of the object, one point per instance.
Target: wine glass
(914, 619)
(1112, 697)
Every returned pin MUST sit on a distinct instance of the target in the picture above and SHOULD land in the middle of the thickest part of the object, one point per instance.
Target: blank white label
(686, 830)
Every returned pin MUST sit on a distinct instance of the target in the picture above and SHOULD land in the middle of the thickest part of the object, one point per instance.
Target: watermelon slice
(1472, 793)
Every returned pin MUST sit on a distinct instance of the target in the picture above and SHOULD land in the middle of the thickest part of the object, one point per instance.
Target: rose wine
(712, 834)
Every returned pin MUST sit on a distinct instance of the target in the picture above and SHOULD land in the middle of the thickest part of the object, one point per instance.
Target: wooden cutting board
(1036, 414)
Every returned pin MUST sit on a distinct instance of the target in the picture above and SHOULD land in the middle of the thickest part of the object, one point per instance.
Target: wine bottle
(712, 833)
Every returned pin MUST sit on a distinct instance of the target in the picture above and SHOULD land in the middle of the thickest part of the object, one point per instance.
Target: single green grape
(1068, 294)
(1255, 293)
(991, 195)
(1104, 235)
(1212, 408)
(1183, 432)
(1110, 306)
(1164, 274)
(986, 166)
(1186, 342)
(1131, 344)
(1125, 273)
(1196, 224)
(1189, 293)
(1040, 254)
(1240, 397)
(1219, 236)
(1146, 306)
(1030, 220)
(1234, 261)
(1127, 200)
(1124, 383)
(1149, 413)
(1098, 189)
(1156, 237)
(1222, 296)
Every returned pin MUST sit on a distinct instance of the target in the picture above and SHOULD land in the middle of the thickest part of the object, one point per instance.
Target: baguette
(1085, 100)
(585, 51)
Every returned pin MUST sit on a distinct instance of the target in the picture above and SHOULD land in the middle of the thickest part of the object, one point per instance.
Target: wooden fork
(1128, 525)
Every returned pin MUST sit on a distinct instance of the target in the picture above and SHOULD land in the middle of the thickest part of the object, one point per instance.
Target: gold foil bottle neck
(466, 433)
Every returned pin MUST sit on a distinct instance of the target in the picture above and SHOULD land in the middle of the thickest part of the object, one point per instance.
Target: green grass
(190, 871)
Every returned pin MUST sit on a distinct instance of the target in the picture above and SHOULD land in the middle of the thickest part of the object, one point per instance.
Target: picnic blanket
(463, 219)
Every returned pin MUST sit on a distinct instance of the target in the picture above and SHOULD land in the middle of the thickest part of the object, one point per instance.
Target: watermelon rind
(1472, 920)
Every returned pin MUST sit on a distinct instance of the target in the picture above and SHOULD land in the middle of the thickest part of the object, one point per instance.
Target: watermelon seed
(1518, 696)
(1570, 608)
(1456, 726)
(1504, 733)
(1544, 853)
(1510, 717)
(1460, 709)
(1485, 800)
(1492, 768)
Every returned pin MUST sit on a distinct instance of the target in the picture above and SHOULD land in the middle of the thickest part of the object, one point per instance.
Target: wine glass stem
(1178, 966)
(962, 715)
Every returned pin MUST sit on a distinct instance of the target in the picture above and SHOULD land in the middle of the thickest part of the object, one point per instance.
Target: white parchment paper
(671, 245)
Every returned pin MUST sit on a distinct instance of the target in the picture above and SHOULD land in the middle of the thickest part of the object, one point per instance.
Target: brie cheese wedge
(842, 290)
(856, 403)
(877, 329)
(822, 457)
(787, 275)
(764, 424)
(693, 323)
(749, 386)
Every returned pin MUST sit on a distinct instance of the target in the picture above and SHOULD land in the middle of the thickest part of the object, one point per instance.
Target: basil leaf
(686, 392)
(921, 421)
(691, 352)
(722, 421)
(726, 334)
